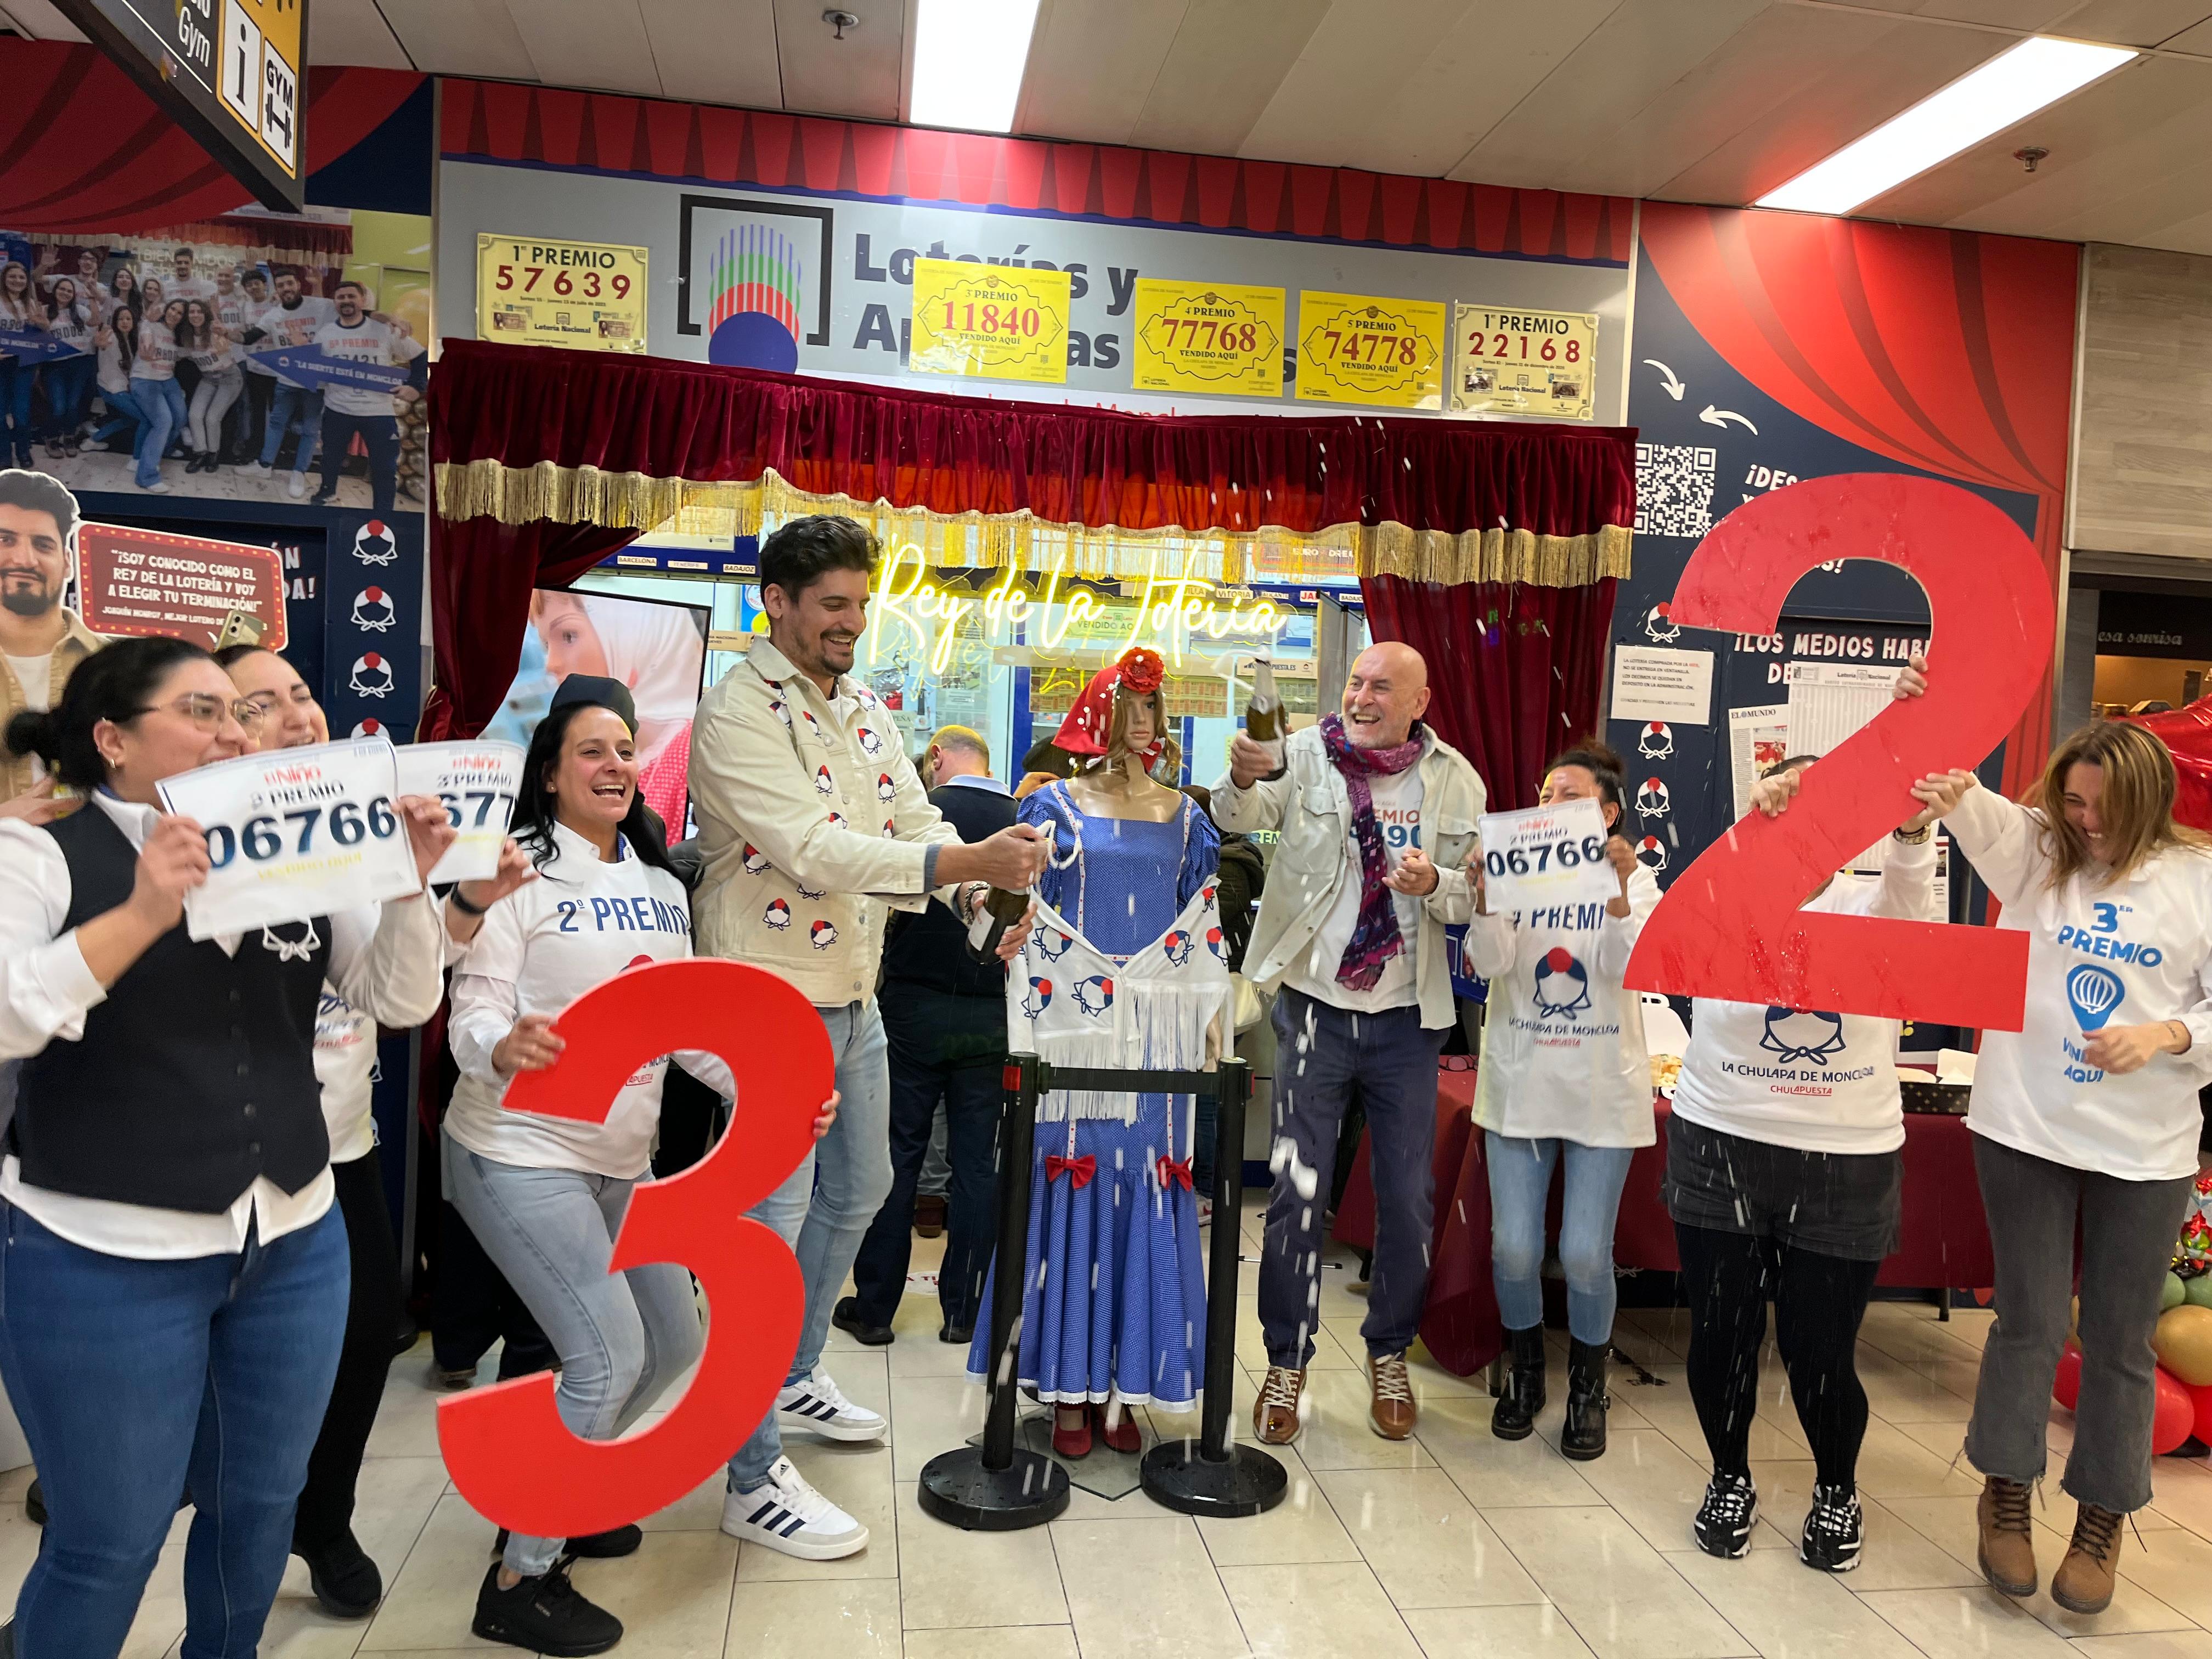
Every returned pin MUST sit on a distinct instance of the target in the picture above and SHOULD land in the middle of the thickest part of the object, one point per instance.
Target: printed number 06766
(1520, 860)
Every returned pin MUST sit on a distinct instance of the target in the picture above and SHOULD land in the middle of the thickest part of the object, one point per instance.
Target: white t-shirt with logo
(1807, 1079)
(2100, 954)
(293, 325)
(1563, 1051)
(187, 288)
(367, 341)
(157, 353)
(582, 921)
(1398, 816)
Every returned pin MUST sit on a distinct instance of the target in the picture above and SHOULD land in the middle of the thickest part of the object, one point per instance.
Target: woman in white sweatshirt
(1565, 1082)
(545, 1196)
(2088, 1114)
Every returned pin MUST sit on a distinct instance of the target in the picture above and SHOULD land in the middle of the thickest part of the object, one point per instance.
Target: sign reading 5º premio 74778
(230, 72)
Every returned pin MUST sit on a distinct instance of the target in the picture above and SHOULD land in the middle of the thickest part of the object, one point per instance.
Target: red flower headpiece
(1089, 723)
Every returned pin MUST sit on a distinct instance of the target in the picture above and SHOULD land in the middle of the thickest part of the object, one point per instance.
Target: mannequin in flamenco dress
(1123, 967)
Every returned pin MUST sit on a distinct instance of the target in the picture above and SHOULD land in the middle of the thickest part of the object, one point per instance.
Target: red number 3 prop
(1729, 927)
(510, 1454)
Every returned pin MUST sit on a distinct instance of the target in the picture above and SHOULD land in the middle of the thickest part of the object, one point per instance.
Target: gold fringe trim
(1022, 541)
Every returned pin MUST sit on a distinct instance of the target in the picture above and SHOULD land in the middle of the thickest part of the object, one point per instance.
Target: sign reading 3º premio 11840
(230, 72)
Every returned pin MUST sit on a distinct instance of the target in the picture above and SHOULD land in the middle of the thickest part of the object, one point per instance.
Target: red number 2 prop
(510, 1454)
(1729, 927)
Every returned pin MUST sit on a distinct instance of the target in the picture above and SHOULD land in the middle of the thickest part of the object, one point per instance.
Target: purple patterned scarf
(1374, 936)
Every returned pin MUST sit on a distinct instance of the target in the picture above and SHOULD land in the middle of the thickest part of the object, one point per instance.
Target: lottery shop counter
(1944, 1242)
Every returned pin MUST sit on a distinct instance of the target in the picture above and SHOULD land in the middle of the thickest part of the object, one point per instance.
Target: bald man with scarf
(1378, 817)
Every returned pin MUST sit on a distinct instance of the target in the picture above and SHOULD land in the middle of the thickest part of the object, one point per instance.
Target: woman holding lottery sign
(2086, 1117)
(1564, 1083)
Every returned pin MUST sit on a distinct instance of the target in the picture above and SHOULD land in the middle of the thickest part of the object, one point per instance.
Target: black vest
(197, 1074)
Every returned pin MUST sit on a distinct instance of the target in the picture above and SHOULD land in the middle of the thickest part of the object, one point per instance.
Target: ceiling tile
(716, 52)
(1091, 67)
(1228, 58)
(459, 37)
(2130, 22)
(597, 44)
(2197, 41)
(860, 76)
(352, 31)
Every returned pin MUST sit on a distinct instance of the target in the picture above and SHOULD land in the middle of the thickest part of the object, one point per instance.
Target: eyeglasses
(205, 710)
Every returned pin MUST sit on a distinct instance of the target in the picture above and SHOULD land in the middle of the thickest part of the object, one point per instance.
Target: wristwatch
(1914, 837)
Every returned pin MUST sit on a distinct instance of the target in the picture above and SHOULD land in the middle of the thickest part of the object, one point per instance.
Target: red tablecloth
(1945, 1243)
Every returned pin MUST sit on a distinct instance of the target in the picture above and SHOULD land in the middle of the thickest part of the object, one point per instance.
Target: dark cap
(600, 692)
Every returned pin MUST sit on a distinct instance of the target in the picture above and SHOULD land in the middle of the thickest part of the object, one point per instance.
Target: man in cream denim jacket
(813, 825)
(1356, 1007)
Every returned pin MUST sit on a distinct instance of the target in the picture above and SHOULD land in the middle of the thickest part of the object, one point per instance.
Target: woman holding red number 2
(2089, 1113)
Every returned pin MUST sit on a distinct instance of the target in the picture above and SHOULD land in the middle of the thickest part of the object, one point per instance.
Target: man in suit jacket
(944, 1017)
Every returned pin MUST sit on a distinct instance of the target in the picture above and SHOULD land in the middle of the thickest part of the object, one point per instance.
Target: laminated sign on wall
(1508, 361)
(587, 294)
(994, 321)
(1208, 337)
(1363, 349)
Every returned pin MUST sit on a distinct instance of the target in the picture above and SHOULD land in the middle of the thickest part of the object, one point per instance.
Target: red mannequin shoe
(1118, 1429)
(1072, 1440)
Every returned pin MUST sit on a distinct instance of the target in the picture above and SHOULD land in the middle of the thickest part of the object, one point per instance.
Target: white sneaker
(159, 487)
(254, 469)
(787, 1515)
(298, 487)
(817, 1404)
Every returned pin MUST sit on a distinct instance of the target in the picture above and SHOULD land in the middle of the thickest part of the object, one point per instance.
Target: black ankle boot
(1517, 1407)
(1583, 1437)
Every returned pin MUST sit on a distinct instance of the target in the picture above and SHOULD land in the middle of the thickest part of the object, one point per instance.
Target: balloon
(2173, 1293)
(2201, 1400)
(2198, 1291)
(2066, 1388)
(2183, 1339)
(2074, 1322)
(2175, 1417)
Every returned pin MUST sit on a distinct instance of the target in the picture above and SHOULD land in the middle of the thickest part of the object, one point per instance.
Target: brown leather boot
(1275, 1417)
(1390, 1413)
(2084, 1581)
(2007, 1543)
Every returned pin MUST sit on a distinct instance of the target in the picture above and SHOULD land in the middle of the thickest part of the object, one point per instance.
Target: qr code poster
(1673, 489)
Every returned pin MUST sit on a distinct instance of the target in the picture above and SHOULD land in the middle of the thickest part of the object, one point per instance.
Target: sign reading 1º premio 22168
(229, 72)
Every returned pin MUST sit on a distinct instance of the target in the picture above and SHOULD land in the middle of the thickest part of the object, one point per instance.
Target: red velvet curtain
(1943, 349)
(1514, 670)
(481, 569)
(952, 453)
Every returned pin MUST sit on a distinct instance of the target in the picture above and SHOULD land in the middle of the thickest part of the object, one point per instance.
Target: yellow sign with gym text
(996, 321)
(1208, 338)
(589, 296)
(1363, 349)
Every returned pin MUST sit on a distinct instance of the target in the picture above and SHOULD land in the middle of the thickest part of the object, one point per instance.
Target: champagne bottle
(1263, 718)
(999, 910)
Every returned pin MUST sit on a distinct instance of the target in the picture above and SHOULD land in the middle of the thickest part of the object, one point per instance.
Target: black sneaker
(846, 1317)
(1724, 1519)
(345, 1581)
(1833, 1530)
(595, 1546)
(545, 1614)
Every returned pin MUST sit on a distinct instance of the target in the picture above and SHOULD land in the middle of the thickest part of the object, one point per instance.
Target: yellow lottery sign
(587, 294)
(1506, 362)
(1362, 348)
(994, 321)
(1208, 338)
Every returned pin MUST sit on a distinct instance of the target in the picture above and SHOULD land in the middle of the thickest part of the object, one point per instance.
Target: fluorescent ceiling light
(2009, 88)
(968, 56)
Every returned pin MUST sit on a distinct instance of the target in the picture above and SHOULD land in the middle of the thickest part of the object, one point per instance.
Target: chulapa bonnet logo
(1562, 984)
(1795, 1035)
(2096, 992)
(373, 543)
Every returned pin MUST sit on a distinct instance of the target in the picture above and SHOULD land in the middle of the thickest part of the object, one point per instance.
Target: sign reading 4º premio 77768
(229, 72)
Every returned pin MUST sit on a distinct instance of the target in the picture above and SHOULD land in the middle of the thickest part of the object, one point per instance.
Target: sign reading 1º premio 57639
(585, 294)
(230, 72)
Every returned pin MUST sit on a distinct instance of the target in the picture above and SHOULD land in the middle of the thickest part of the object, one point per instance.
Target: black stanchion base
(956, 1489)
(1246, 1482)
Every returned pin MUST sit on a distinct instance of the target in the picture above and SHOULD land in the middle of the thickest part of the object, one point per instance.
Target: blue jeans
(825, 1220)
(123, 410)
(69, 394)
(380, 435)
(1325, 1053)
(1520, 1184)
(15, 381)
(166, 414)
(295, 409)
(136, 1379)
(623, 1338)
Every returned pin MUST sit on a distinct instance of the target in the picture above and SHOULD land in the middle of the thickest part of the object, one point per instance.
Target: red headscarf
(1090, 722)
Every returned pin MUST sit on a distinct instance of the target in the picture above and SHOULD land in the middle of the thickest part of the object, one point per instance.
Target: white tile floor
(1454, 1546)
